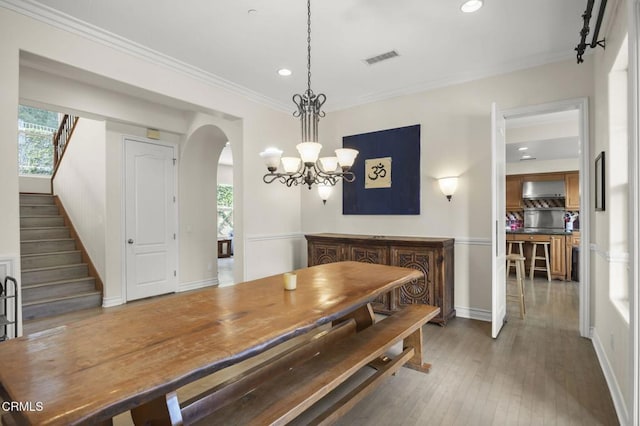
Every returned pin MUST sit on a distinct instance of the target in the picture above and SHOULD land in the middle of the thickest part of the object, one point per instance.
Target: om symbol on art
(377, 171)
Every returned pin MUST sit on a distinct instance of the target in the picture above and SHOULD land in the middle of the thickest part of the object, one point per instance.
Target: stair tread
(48, 239)
(50, 268)
(41, 228)
(54, 283)
(57, 299)
(50, 253)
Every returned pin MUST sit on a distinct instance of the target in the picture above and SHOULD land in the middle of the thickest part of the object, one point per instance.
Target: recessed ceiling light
(526, 157)
(284, 72)
(523, 148)
(471, 6)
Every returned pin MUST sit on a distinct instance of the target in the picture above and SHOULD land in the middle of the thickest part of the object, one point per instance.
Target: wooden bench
(279, 390)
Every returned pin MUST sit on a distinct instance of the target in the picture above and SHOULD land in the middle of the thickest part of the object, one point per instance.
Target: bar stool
(511, 263)
(518, 262)
(535, 257)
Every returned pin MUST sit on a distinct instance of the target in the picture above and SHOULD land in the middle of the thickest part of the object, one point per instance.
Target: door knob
(130, 241)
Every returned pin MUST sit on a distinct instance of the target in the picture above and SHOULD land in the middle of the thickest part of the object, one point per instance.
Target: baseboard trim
(612, 383)
(195, 285)
(108, 302)
(472, 241)
(474, 314)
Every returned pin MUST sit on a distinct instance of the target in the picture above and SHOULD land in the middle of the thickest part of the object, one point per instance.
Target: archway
(198, 177)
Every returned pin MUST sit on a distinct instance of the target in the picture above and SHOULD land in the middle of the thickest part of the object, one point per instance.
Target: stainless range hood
(536, 190)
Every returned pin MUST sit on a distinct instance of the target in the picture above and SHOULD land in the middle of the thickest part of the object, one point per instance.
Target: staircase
(54, 279)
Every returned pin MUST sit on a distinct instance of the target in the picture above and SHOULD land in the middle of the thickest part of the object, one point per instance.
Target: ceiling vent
(382, 57)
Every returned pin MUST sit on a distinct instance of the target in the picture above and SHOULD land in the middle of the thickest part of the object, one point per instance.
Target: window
(225, 210)
(617, 184)
(36, 128)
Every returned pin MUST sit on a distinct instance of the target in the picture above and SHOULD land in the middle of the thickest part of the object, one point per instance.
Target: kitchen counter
(540, 232)
(561, 244)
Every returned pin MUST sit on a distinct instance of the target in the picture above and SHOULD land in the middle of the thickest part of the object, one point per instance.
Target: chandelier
(309, 168)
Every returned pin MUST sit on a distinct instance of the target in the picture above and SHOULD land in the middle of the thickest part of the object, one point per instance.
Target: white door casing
(498, 234)
(150, 220)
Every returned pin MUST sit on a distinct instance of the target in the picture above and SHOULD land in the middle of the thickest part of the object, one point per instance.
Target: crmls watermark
(22, 406)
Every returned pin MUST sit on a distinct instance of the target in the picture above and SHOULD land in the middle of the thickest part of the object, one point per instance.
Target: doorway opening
(550, 141)
(225, 216)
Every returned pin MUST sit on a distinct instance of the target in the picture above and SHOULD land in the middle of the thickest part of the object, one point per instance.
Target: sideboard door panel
(320, 253)
(421, 291)
(369, 254)
(388, 302)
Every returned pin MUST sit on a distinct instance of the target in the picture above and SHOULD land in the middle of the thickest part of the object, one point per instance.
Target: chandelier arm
(297, 99)
(348, 176)
(270, 177)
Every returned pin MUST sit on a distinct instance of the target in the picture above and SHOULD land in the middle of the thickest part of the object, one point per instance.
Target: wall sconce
(448, 186)
(324, 191)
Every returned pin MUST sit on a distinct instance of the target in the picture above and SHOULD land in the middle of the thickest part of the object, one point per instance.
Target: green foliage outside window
(35, 144)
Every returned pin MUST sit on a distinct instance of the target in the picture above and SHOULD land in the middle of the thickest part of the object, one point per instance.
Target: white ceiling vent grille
(382, 57)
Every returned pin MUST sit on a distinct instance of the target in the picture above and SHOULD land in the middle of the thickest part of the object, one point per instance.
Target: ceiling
(437, 43)
(551, 146)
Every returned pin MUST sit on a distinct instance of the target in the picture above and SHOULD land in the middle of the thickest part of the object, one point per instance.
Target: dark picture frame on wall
(600, 182)
(387, 171)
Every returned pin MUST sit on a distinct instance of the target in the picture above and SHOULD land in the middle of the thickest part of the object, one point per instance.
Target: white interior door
(498, 239)
(150, 220)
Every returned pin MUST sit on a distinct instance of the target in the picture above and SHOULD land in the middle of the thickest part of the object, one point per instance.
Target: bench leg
(416, 362)
(162, 411)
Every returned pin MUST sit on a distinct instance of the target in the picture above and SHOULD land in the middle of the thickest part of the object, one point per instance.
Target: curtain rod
(586, 17)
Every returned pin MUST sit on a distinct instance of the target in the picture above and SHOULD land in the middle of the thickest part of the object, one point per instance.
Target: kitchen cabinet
(572, 188)
(557, 251)
(432, 256)
(573, 240)
(513, 190)
(558, 258)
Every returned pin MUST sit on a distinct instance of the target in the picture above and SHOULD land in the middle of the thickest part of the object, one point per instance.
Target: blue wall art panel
(387, 173)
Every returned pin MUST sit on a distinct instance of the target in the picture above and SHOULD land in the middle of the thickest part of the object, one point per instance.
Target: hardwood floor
(538, 372)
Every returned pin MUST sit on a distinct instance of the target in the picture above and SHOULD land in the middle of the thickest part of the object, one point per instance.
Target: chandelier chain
(309, 46)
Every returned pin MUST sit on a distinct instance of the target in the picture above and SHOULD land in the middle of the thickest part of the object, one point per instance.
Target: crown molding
(65, 22)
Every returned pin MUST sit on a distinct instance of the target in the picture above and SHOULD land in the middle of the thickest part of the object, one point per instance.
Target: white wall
(611, 329)
(225, 174)
(35, 184)
(80, 186)
(455, 140)
(268, 214)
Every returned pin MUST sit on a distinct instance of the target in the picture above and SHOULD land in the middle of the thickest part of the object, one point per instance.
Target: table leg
(162, 411)
(363, 316)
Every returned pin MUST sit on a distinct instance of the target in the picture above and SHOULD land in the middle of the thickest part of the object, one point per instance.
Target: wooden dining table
(88, 371)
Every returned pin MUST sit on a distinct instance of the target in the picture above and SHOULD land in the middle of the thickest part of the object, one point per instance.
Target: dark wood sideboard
(431, 256)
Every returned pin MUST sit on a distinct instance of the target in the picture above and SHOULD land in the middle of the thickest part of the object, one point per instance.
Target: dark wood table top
(96, 368)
